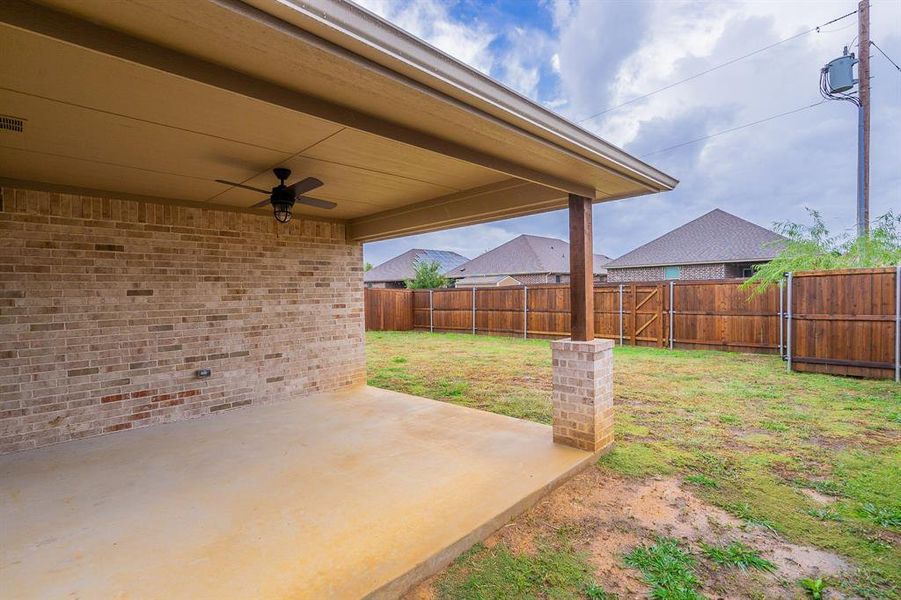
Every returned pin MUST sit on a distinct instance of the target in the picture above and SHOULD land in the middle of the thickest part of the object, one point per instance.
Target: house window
(746, 270)
(672, 272)
(556, 279)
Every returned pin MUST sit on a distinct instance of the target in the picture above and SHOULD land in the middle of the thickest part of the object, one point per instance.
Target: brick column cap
(568, 345)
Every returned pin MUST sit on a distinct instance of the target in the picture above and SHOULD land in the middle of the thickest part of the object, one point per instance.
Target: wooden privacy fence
(388, 310)
(843, 322)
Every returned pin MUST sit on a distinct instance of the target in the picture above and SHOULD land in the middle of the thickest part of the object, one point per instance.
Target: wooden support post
(581, 269)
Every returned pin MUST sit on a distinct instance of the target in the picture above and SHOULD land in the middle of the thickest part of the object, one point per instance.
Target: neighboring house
(524, 260)
(717, 245)
(395, 272)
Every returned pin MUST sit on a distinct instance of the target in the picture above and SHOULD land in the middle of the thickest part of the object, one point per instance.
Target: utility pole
(863, 118)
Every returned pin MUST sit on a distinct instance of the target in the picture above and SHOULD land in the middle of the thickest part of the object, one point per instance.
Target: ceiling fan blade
(304, 185)
(261, 203)
(241, 185)
(314, 202)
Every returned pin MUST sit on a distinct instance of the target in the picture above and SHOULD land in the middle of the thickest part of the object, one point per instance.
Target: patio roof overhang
(156, 99)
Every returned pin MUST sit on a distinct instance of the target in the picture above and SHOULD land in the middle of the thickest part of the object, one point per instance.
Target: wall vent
(12, 123)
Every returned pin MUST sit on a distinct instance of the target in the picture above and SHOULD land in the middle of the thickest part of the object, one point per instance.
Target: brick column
(583, 394)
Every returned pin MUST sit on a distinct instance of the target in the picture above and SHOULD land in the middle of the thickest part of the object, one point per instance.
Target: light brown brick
(108, 298)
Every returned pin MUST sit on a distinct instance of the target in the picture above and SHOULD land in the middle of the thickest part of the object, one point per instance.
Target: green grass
(555, 571)
(702, 480)
(667, 568)
(738, 555)
(761, 434)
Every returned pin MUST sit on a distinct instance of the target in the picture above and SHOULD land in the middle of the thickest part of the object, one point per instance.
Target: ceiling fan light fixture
(282, 211)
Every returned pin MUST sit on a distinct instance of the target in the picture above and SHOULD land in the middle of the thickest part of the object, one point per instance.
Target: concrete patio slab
(340, 495)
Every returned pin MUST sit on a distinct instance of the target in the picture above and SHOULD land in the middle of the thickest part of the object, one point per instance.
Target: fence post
(620, 314)
(525, 312)
(898, 324)
(781, 322)
(431, 312)
(634, 314)
(788, 325)
(473, 310)
(671, 313)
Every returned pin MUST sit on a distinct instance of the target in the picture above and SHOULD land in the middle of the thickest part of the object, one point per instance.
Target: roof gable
(403, 266)
(524, 254)
(715, 237)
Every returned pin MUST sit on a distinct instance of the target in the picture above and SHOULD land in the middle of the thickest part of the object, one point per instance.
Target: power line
(715, 68)
(725, 131)
(885, 55)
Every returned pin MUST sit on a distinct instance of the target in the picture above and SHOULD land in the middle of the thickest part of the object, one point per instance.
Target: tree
(428, 276)
(814, 248)
(367, 266)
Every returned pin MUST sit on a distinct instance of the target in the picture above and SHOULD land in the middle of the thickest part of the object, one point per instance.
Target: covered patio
(160, 285)
(343, 495)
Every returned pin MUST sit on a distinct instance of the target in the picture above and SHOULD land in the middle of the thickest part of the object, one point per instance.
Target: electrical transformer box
(840, 74)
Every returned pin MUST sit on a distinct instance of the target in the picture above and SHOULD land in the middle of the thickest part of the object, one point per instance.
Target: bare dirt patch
(605, 516)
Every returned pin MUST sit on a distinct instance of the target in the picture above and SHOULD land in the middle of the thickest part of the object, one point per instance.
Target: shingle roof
(524, 254)
(716, 237)
(402, 267)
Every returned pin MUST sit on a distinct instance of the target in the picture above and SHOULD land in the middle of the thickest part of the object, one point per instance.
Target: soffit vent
(12, 123)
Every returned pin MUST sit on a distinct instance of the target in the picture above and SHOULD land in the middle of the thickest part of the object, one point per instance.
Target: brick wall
(636, 274)
(689, 272)
(107, 308)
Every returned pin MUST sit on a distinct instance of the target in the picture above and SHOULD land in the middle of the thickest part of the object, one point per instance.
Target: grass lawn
(814, 459)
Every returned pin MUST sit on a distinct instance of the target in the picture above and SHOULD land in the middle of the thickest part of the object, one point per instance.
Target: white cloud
(604, 53)
(430, 21)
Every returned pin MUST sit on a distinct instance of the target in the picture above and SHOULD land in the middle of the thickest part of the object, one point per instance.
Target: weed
(744, 512)
(714, 465)
(702, 480)
(814, 587)
(774, 426)
(730, 419)
(399, 360)
(824, 514)
(667, 568)
(738, 555)
(452, 389)
(883, 516)
(870, 585)
(595, 592)
(827, 486)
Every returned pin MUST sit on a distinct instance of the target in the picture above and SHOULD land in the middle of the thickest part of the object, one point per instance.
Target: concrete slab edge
(438, 561)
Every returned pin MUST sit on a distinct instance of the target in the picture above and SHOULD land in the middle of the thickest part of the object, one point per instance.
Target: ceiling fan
(282, 197)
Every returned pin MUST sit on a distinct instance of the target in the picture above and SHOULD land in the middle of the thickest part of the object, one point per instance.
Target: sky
(581, 57)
